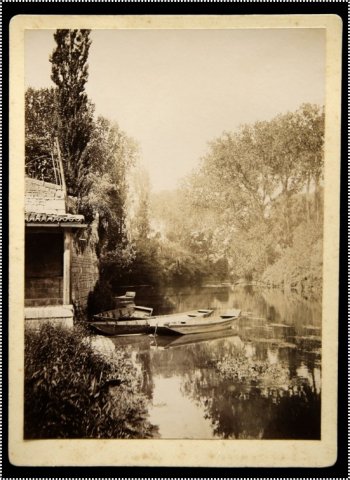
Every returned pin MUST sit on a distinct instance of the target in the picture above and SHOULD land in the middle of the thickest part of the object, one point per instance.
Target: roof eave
(56, 225)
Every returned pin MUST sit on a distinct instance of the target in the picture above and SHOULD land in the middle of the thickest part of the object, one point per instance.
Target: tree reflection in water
(279, 405)
(242, 411)
(284, 334)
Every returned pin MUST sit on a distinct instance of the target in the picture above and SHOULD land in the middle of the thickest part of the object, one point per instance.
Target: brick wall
(44, 197)
(84, 274)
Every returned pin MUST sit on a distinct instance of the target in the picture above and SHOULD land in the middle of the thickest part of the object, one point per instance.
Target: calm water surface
(187, 396)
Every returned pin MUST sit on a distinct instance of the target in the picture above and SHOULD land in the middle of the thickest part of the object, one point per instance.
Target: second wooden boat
(203, 325)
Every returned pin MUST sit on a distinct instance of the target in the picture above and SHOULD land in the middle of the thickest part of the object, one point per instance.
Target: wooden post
(66, 267)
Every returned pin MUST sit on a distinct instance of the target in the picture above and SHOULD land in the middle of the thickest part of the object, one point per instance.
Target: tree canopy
(255, 194)
(40, 131)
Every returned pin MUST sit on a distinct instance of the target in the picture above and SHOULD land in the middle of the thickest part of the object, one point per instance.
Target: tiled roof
(33, 217)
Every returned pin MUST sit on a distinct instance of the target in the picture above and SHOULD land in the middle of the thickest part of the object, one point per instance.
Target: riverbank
(77, 387)
(305, 280)
(307, 289)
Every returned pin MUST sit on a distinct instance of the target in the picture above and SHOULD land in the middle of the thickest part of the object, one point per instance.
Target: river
(189, 398)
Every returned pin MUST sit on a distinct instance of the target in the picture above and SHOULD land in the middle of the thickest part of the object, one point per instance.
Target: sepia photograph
(178, 219)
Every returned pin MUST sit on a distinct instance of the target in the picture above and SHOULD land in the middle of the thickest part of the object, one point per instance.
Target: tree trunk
(286, 212)
(308, 214)
(317, 198)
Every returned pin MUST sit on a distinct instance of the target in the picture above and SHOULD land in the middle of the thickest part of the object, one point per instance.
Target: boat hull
(130, 327)
(198, 328)
(141, 322)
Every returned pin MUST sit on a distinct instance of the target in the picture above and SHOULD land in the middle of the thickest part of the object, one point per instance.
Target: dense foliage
(40, 131)
(110, 154)
(72, 390)
(254, 206)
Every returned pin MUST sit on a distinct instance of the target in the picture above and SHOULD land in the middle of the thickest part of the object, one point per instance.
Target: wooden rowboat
(139, 320)
(202, 325)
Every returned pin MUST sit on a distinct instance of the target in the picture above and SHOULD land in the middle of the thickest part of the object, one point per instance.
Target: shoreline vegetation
(73, 390)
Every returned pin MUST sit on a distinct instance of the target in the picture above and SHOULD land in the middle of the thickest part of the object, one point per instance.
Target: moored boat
(130, 312)
(139, 320)
(121, 327)
(202, 325)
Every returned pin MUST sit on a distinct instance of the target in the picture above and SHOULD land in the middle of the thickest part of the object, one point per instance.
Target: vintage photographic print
(174, 231)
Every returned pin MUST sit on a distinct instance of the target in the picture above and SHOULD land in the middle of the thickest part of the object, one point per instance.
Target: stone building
(60, 270)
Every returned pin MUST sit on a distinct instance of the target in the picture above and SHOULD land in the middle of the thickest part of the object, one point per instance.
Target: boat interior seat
(130, 294)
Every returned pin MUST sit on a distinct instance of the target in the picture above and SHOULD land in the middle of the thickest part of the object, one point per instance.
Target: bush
(72, 391)
(300, 265)
(243, 369)
(178, 266)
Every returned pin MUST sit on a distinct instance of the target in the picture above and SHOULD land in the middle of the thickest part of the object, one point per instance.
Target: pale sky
(175, 90)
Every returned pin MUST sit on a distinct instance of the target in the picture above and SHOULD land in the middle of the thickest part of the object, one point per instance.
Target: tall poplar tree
(75, 121)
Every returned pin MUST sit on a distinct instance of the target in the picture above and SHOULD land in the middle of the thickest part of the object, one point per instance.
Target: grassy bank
(299, 267)
(74, 391)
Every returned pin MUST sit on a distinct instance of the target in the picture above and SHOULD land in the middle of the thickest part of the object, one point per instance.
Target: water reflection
(190, 398)
(172, 406)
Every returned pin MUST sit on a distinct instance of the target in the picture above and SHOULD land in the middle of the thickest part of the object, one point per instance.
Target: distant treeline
(254, 208)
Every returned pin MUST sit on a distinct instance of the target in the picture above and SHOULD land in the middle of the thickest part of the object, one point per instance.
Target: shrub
(300, 265)
(243, 369)
(72, 391)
